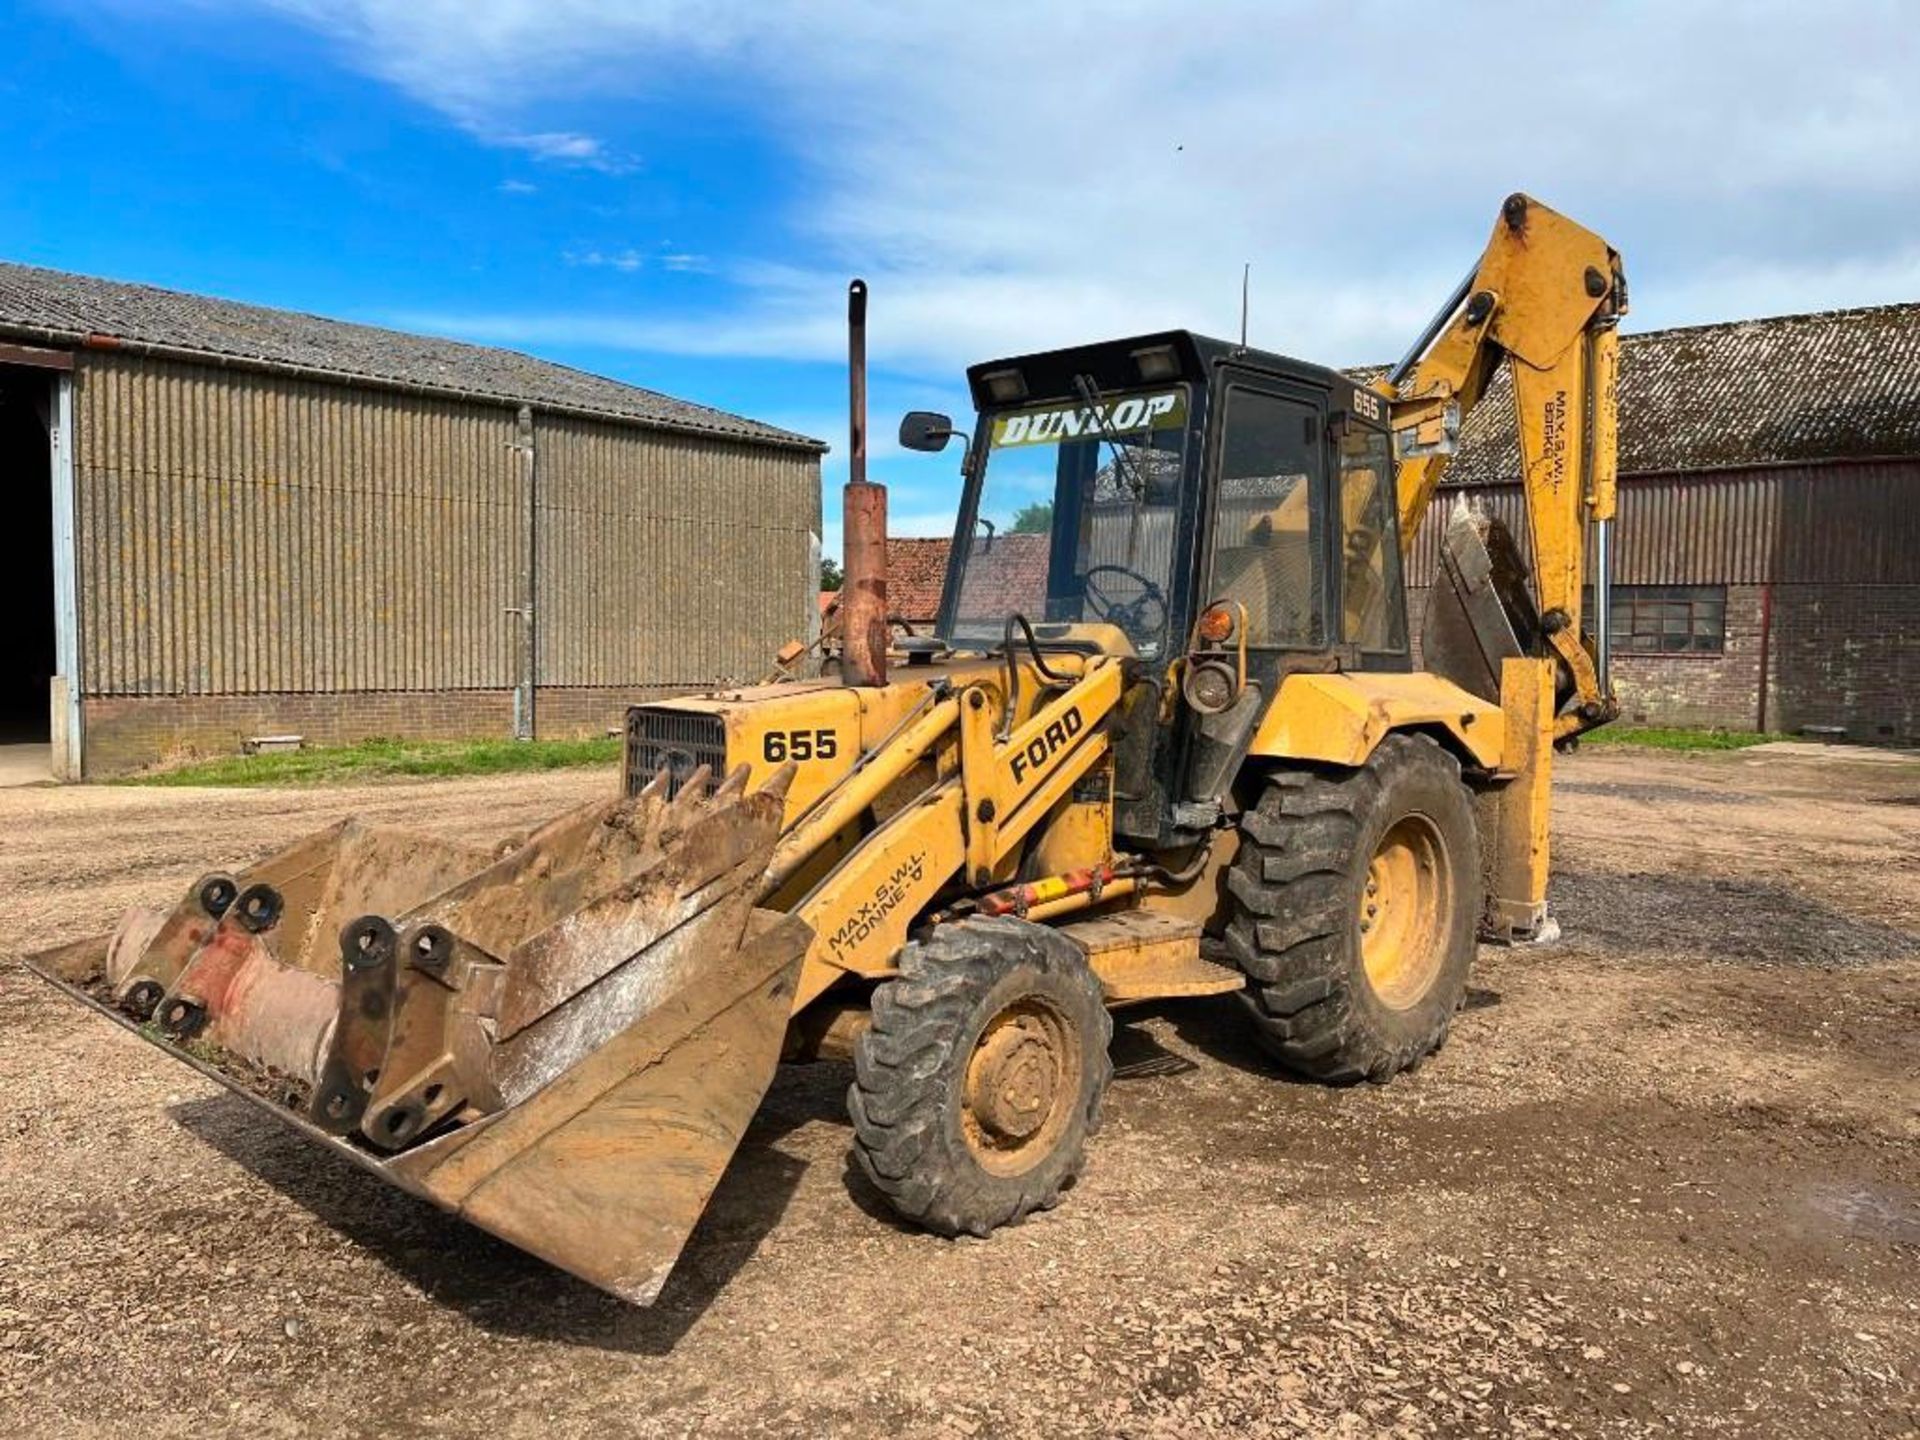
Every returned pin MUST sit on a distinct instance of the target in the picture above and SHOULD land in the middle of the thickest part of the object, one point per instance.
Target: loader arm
(1547, 296)
(965, 831)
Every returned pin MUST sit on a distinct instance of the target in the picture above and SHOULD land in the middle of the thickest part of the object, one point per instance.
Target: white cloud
(563, 147)
(485, 64)
(1012, 176)
(518, 187)
(627, 261)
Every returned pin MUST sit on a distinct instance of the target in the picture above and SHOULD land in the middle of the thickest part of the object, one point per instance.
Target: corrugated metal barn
(230, 522)
(1767, 566)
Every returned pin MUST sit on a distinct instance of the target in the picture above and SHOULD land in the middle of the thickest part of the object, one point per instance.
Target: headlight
(1209, 686)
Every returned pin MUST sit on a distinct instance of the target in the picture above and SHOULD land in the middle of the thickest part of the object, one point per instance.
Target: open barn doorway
(27, 658)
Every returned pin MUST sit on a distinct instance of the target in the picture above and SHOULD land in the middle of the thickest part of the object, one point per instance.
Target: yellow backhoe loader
(1170, 741)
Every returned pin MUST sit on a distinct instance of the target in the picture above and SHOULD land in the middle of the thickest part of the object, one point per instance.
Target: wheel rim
(1022, 1081)
(1406, 908)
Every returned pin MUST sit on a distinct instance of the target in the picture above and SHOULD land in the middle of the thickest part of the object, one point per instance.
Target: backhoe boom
(1547, 296)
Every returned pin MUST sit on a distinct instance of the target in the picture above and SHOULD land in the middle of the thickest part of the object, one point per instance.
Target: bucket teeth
(692, 795)
(780, 782)
(733, 787)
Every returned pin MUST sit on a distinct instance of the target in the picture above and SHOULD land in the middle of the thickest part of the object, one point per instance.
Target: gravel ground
(1664, 1180)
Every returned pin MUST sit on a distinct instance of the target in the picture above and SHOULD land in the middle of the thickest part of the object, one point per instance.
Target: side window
(1369, 549)
(1668, 619)
(1267, 525)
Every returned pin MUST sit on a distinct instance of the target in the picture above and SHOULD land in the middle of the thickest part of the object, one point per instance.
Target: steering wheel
(1130, 615)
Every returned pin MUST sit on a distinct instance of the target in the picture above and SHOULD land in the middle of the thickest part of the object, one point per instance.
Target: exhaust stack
(863, 586)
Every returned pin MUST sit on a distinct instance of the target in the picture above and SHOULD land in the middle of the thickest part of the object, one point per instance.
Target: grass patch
(1656, 738)
(384, 759)
(381, 759)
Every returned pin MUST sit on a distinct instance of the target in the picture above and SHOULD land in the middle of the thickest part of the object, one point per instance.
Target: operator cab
(1135, 481)
(1208, 500)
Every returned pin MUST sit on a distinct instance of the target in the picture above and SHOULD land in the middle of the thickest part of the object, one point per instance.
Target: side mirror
(925, 430)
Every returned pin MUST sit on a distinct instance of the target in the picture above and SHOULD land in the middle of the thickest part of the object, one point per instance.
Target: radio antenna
(1246, 274)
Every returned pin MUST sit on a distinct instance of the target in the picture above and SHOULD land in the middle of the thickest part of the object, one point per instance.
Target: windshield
(1076, 518)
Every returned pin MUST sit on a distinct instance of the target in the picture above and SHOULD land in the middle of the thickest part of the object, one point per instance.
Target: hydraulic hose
(1053, 677)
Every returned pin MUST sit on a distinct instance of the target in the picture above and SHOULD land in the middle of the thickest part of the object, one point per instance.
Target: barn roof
(1838, 384)
(54, 307)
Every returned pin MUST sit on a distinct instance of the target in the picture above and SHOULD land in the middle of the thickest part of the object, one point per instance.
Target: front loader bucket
(563, 1042)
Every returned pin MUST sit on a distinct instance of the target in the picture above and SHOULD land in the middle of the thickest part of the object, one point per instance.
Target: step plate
(1140, 956)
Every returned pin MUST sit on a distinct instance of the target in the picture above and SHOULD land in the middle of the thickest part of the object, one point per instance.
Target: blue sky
(675, 193)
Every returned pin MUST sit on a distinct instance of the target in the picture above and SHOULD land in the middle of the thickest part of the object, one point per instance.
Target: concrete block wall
(129, 732)
(577, 712)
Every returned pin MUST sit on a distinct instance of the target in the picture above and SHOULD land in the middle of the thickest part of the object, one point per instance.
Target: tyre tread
(904, 1073)
(1292, 906)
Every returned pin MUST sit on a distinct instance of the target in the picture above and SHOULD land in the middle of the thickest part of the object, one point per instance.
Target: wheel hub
(1015, 1075)
(1405, 912)
(1019, 1085)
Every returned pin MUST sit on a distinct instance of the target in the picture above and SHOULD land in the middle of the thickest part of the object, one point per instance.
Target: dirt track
(1665, 1179)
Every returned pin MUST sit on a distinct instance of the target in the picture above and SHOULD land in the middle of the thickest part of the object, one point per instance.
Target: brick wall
(1847, 656)
(127, 732)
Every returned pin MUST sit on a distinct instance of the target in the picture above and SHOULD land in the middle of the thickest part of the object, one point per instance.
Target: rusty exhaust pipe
(863, 587)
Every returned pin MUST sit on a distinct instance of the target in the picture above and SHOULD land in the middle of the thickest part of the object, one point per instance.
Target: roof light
(1157, 362)
(1005, 385)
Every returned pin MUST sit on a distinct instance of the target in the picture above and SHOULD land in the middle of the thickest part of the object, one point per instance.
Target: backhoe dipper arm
(1548, 295)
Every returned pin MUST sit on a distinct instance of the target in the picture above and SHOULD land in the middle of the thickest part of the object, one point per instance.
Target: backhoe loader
(1175, 744)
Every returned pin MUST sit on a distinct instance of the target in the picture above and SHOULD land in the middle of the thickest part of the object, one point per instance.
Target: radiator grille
(680, 741)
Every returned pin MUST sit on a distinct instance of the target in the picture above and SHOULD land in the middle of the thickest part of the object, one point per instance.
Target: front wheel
(1356, 897)
(981, 1075)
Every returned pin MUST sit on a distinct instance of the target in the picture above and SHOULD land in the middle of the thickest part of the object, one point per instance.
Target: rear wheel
(981, 1075)
(1357, 897)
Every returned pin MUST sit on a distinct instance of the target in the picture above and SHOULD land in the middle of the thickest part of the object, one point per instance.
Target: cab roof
(1116, 365)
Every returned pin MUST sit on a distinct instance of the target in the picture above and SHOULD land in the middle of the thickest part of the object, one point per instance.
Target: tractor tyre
(1356, 904)
(981, 1075)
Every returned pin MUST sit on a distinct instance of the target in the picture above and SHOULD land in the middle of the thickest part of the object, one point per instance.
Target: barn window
(1669, 619)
